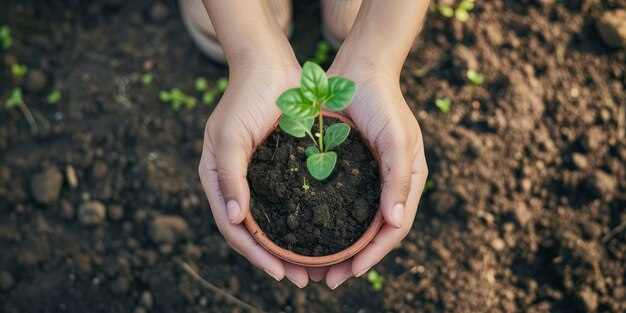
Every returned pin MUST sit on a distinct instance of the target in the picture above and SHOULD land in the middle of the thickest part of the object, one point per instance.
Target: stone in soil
(168, 229)
(120, 285)
(46, 185)
(612, 27)
(6, 280)
(146, 300)
(603, 184)
(116, 212)
(92, 213)
(70, 176)
(36, 80)
(588, 299)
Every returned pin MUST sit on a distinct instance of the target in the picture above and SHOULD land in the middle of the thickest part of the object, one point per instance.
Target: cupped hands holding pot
(265, 66)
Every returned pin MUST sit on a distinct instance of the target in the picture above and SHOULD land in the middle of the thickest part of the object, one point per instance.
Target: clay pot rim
(326, 260)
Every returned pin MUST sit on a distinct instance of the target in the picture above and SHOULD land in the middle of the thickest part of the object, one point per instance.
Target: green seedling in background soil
(461, 12)
(376, 280)
(178, 99)
(19, 70)
(147, 78)
(609, 103)
(15, 100)
(54, 97)
(305, 186)
(208, 95)
(476, 79)
(430, 185)
(321, 53)
(293, 169)
(443, 105)
(301, 106)
(6, 41)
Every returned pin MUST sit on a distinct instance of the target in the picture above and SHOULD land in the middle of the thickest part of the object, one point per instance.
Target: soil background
(526, 210)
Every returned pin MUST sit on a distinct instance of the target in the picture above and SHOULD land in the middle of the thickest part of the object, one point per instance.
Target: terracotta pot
(318, 261)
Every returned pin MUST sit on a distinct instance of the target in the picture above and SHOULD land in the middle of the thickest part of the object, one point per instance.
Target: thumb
(396, 162)
(232, 164)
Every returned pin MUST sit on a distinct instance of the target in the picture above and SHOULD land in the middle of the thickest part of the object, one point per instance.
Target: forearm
(382, 34)
(248, 32)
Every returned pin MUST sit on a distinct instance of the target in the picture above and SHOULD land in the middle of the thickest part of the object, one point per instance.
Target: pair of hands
(247, 111)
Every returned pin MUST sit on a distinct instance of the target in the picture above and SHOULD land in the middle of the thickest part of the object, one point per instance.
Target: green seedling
(305, 186)
(19, 70)
(609, 103)
(461, 13)
(208, 95)
(201, 84)
(293, 169)
(475, 78)
(6, 41)
(16, 100)
(147, 78)
(221, 85)
(178, 99)
(321, 53)
(301, 106)
(376, 280)
(54, 97)
(443, 105)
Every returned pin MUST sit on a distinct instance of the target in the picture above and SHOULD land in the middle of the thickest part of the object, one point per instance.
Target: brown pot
(325, 260)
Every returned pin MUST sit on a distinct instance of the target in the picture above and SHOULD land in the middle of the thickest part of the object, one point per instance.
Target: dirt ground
(526, 210)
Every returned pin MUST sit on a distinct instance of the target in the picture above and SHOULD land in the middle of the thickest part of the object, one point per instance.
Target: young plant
(443, 105)
(6, 41)
(147, 78)
(54, 97)
(19, 70)
(208, 95)
(475, 78)
(321, 53)
(461, 12)
(178, 99)
(15, 100)
(301, 106)
(376, 280)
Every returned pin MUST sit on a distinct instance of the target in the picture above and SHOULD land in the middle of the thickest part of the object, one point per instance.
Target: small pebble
(91, 213)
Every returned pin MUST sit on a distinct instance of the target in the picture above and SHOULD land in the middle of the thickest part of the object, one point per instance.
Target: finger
(317, 273)
(296, 274)
(237, 236)
(232, 164)
(338, 274)
(388, 237)
(395, 156)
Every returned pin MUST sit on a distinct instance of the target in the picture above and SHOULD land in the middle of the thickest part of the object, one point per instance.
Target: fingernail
(272, 275)
(339, 283)
(233, 210)
(293, 282)
(397, 215)
(363, 272)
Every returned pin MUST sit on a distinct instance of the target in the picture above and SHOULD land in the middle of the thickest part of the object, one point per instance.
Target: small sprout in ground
(430, 185)
(305, 186)
(376, 280)
(301, 106)
(609, 103)
(6, 41)
(178, 99)
(475, 77)
(208, 97)
(446, 11)
(147, 78)
(444, 105)
(293, 169)
(15, 100)
(222, 83)
(19, 69)
(54, 97)
(321, 53)
(461, 12)
(201, 84)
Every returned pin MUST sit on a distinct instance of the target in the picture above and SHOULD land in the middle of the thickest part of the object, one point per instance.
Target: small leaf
(19, 69)
(147, 79)
(475, 77)
(295, 127)
(341, 92)
(461, 15)
(335, 135)
(311, 150)
(165, 96)
(314, 82)
(14, 99)
(321, 165)
(208, 97)
(443, 104)
(201, 84)
(54, 97)
(222, 83)
(293, 104)
(466, 5)
(446, 11)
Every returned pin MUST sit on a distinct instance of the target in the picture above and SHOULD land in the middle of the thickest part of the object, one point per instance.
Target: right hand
(244, 115)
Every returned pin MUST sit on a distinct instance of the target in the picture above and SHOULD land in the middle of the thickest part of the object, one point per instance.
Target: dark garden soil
(526, 209)
(328, 216)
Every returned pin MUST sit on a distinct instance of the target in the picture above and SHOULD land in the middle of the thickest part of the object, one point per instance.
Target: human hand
(383, 116)
(246, 112)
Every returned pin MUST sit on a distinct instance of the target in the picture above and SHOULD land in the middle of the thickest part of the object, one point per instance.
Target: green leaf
(475, 77)
(461, 15)
(147, 79)
(446, 11)
(295, 127)
(201, 84)
(54, 97)
(208, 97)
(222, 83)
(293, 104)
(14, 99)
(443, 104)
(321, 165)
(311, 150)
(19, 69)
(466, 5)
(335, 135)
(314, 82)
(165, 96)
(341, 93)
